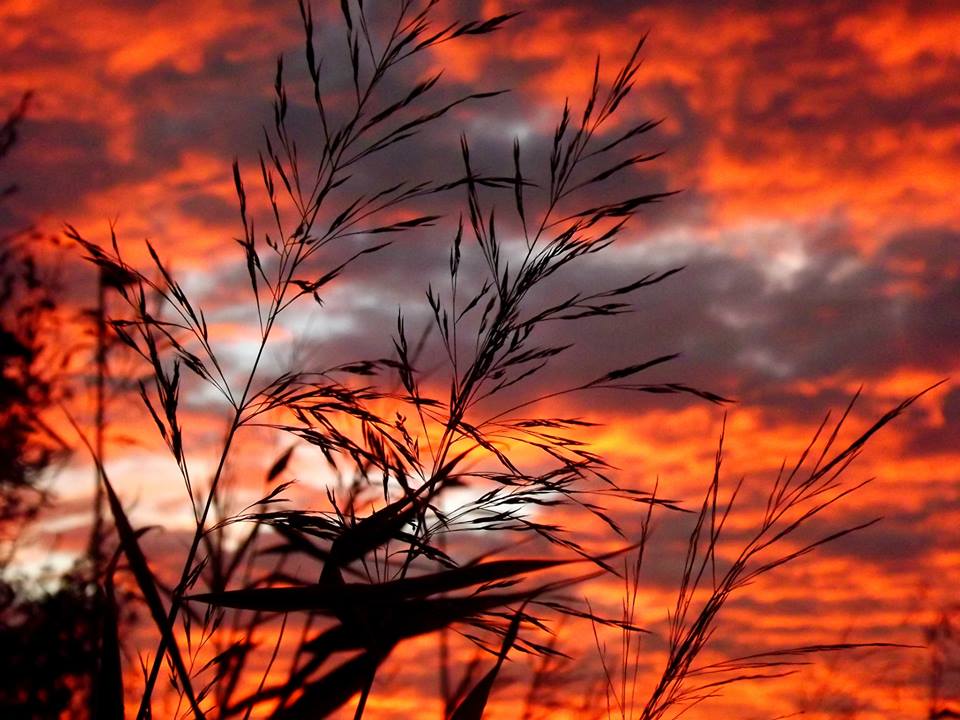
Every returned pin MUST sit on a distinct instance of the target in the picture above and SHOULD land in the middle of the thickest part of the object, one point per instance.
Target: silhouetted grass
(711, 578)
(384, 562)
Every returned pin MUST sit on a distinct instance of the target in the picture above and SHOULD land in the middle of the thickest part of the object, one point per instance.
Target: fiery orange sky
(817, 147)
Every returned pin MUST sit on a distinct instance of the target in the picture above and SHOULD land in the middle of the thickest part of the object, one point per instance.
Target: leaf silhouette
(280, 464)
(148, 586)
(473, 705)
(323, 696)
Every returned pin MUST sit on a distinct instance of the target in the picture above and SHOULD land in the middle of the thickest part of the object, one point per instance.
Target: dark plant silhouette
(47, 625)
(27, 445)
(383, 558)
(711, 577)
(944, 665)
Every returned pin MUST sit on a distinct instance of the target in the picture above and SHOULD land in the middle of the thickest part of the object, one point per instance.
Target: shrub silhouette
(48, 633)
(27, 445)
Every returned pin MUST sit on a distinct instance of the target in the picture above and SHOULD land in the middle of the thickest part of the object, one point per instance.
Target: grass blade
(148, 586)
(473, 705)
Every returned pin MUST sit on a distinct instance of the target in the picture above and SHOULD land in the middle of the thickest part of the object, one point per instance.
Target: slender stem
(176, 601)
(362, 702)
(95, 549)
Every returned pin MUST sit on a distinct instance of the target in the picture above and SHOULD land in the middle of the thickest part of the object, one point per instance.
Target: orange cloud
(790, 118)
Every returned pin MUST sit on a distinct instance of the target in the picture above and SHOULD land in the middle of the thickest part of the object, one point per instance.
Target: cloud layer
(816, 148)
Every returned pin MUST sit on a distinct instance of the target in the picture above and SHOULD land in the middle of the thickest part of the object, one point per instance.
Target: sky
(815, 146)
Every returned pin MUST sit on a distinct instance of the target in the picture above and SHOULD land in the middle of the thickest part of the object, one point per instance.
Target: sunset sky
(816, 146)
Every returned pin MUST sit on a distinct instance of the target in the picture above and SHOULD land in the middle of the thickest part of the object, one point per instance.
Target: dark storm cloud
(738, 328)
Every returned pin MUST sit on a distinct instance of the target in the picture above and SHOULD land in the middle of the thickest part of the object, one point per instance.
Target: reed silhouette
(422, 457)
